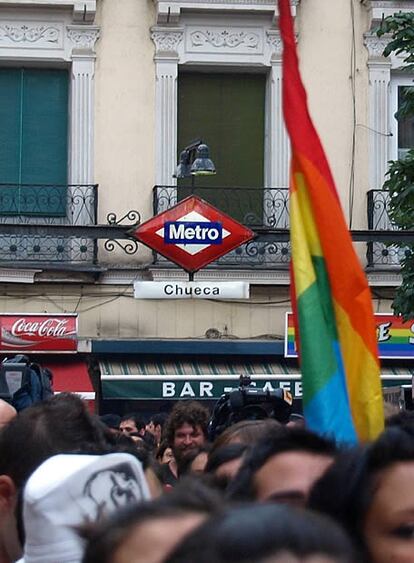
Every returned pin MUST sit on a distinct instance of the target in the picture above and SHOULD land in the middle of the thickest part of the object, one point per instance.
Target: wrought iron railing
(379, 254)
(269, 207)
(254, 207)
(64, 205)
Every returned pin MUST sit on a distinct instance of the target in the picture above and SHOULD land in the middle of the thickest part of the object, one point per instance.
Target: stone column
(166, 67)
(82, 103)
(379, 70)
(277, 146)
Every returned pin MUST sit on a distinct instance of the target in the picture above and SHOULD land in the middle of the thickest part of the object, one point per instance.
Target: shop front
(52, 342)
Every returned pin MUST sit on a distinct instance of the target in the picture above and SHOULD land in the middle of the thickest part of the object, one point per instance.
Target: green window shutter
(10, 132)
(227, 111)
(34, 140)
(44, 140)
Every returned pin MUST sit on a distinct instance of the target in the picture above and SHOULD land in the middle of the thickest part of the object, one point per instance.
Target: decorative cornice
(168, 40)
(224, 38)
(258, 277)
(379, 9)
(376, 45)
(28, 33)
(84, 11)
(11, 275)
(169, 11)
(83, 38)
(275, 41)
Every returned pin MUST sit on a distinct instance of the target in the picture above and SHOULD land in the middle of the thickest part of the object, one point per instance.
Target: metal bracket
(133, 218)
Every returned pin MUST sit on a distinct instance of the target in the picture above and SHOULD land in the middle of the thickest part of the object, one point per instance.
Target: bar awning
(157, 379)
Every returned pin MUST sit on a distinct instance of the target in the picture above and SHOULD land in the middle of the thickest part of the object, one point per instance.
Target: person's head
(283, 466)
(369, 491)
(265, 534)
(68, 492)
(112, 422)
(245, 432)
(195, 462)
(296, 420)
(132, 424)
(7, 413)
(156, 424)
(225, 462)
(403, 419)
(149, 532)
(164, 453)
(58, 425)
(186, 428)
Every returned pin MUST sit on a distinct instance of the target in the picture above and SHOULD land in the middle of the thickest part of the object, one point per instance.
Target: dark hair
(253, 533)
(61, 424)
(136, 418)
(186, 412)
(111, 420)
(282, 440)
(404, 419)
(347, 488)
(184, 465)
(188, 497)
(224, 455)
(161, 450)
(159, 419)
(245, 432)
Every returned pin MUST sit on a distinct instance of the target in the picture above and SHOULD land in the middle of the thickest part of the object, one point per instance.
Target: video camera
(23, 383)
(249, 403)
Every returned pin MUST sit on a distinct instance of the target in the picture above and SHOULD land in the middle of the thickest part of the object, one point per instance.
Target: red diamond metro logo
(192, 234)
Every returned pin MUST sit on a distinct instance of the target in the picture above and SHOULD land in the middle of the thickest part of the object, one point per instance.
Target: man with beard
(186, 431)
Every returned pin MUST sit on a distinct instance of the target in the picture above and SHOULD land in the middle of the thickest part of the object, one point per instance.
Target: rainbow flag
(330, 294)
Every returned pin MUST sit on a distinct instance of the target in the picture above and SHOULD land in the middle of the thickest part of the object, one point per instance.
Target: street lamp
(195, 161)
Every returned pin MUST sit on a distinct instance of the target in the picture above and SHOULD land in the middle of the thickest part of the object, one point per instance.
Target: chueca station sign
(193, 234)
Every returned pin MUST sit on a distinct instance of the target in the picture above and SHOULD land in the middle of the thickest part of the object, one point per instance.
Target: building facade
(99, 99)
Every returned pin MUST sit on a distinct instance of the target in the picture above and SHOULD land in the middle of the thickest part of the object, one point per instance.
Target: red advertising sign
(38, 333)
(193, 233)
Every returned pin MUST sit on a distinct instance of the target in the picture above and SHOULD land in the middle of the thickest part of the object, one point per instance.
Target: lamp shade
(203, 165)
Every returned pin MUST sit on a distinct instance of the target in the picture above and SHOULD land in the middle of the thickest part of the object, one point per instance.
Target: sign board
(191, 290)
(156, 387)
(188, 387)
(38, 333)
(192, 234)
(395, 337)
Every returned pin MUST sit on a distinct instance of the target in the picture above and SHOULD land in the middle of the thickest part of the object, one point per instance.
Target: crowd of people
(75, 487)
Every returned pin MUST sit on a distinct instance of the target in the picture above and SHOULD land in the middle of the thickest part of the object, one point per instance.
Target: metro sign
(192, 234)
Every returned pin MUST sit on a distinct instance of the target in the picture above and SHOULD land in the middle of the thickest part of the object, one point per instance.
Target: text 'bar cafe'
(168, 370)
(270, 364)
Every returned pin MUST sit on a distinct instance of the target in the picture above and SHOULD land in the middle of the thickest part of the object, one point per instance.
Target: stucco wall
(124, 114)
(325, 50)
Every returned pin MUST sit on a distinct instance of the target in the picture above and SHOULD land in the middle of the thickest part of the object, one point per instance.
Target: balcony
(44, 205)
(253, 207)
(380, 255)
(269, 208)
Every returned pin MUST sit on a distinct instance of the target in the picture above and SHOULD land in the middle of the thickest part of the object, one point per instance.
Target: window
(226, 111)
(33, 141)
(403, 129)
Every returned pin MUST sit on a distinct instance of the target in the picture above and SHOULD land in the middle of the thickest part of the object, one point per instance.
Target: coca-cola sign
(39, 333)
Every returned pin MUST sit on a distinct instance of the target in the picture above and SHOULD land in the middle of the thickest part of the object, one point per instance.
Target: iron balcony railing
(269, 208)
(253, 207)
(380, 255)
(45, 205)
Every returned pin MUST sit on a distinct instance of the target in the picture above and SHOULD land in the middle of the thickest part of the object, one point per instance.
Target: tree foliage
(400, 175)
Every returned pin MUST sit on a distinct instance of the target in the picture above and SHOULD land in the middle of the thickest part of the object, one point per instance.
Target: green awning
(175, 379)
